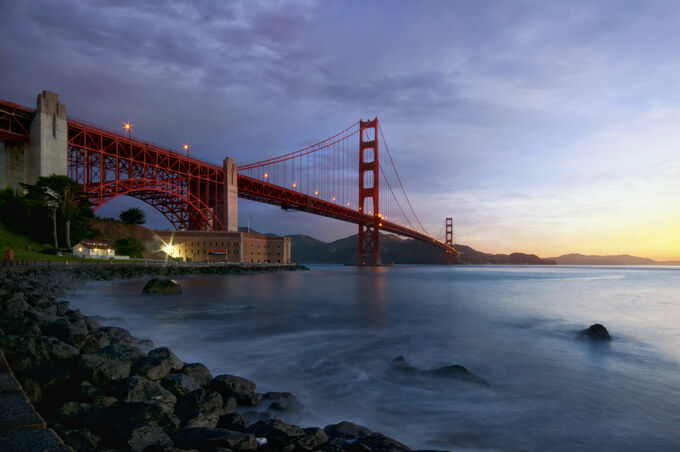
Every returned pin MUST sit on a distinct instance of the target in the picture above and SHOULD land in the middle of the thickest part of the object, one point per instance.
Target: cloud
(543, 117)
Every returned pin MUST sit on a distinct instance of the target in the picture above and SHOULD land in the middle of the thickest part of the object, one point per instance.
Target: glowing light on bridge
(266, 175)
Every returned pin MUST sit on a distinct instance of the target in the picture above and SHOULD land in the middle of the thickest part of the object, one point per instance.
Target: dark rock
(320, 437)
(198, 372)
(121, 352)
(455, 372)
(200, 408)
(61, 307)
(458, 373)
(311, 440)
(75, 414)
(233, 421)
(283, 402)
(377, 442)
(145, 345)
(157, 364)
(101, 370)
(94, 342)
(118, 335)
(139, 389)
(229, 405)
(162, 286)
(146, 436)
(596, 332)
(73, 333)
(203, 438)
(242, 389)
(16, 303)
(346, 430)
(279, 434)
(117, 422)
(179, 384)
(82, 440)
(27, 352)
(399, 363)
(335, 445)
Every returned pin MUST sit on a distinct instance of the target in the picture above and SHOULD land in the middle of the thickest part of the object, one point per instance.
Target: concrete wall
(230, 196)
(45, 154)
(12, 167)
(47, 151)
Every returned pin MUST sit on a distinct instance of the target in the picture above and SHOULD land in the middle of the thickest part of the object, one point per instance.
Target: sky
(541, 127)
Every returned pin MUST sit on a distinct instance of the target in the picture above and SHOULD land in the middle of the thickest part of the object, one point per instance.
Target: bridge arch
(183, 209)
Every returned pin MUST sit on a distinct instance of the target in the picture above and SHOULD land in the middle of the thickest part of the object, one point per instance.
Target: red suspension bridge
(340, 177)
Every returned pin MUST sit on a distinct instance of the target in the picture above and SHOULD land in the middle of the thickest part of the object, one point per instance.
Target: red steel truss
(15, 122)
(187, 191)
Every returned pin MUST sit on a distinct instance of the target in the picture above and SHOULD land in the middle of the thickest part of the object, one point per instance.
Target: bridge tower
(369, 193)
(449, 240)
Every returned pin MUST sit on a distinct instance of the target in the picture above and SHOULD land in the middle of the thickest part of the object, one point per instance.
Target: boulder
(146, 436)
(279, 435)
(457, 373)
(283, 402)
(200, 408)
(101, 370)
(157, 364)
(242, 389)
(118, 335)
(319, 436)
(121, 352)
(377, 442)
(82, 440)
(162, 286)
(27, 352)
(203, 438)
(179, 384)
(118, 422)
(198, 372)
(233, 421)
(94, 342)
(71, 332)
(596, 332)
(346, 430)
(139, 389)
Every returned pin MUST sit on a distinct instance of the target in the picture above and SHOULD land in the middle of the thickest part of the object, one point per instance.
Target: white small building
(94, 249)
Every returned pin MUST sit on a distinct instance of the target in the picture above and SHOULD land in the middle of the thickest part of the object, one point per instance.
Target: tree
(64, 196)
(129, 246)
(133, 215)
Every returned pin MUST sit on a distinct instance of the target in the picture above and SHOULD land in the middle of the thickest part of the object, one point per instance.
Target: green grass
(26, 249)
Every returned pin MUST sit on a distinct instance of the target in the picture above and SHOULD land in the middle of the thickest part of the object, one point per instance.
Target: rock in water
(596, 332)
(158, 285)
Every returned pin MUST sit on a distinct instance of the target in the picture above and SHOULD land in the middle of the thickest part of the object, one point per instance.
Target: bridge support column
(48, 149)
(230, 220)
(449, 240)
(369, 194)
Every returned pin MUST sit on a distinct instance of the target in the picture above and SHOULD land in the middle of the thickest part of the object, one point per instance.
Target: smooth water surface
(329, 335)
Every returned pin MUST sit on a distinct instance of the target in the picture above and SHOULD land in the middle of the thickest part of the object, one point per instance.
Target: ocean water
(330, 334)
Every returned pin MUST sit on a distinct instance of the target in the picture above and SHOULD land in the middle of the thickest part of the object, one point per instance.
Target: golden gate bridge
(339, 177)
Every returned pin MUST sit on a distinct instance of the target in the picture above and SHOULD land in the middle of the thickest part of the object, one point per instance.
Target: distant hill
(306, 249)
(623, 259)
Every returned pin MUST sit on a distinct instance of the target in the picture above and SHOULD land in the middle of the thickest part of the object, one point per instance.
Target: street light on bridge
(127, 126)
(186, 147)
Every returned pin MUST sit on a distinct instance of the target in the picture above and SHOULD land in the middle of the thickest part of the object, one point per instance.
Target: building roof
(94, 244)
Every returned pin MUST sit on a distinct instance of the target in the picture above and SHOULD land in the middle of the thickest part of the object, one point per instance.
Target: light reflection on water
(329, 336)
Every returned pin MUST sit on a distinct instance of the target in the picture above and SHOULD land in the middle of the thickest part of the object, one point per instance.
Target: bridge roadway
(15, 121)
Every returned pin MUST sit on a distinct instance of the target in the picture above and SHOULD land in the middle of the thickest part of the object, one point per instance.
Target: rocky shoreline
(100, 388)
